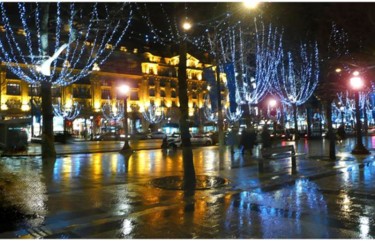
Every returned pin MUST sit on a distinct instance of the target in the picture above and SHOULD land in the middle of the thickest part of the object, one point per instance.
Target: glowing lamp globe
(356, 83)
(272, 103)
(251, 4)
(186, 26)
(124, 89)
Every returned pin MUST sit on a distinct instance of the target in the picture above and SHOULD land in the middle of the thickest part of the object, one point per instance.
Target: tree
(56, 48)
(297, 78)
(331, 78)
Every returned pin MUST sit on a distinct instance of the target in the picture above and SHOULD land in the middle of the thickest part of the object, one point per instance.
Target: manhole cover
(177, 182)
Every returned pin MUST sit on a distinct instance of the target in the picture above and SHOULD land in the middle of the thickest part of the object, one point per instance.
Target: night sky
(300, 21)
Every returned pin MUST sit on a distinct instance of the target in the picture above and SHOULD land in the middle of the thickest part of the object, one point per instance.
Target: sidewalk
(105, 195)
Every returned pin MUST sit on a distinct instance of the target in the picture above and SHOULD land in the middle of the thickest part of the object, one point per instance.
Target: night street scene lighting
(187, 120)
(124, 92)
(357, 83)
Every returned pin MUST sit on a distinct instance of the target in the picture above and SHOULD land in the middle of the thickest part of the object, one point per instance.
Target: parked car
(214, 136)
(290, 134)
(63, 137)
(196, 139)
(139, 136)
(110, 136)
(157, 135)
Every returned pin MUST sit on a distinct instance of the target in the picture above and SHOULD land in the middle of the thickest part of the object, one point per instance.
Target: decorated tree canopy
(48, 42)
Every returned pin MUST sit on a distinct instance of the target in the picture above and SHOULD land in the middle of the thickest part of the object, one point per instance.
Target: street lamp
(124, 90)
(251, 4)
(357, 84)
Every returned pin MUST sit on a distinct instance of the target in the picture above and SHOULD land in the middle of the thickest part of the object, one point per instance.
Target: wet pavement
(107, 195)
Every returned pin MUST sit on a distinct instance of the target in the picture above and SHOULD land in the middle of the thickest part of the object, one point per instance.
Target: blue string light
(99, 32)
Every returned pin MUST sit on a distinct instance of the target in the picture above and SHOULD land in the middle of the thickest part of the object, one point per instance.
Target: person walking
(248, 139)
(266, 137)
(232, 139)
(341, 134)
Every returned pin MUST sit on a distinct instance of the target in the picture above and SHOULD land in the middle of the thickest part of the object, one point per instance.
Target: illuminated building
(153, 80)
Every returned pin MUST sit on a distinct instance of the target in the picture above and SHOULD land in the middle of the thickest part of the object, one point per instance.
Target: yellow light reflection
(114, 162)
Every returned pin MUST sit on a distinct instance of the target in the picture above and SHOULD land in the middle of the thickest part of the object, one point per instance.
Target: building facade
(152, 80)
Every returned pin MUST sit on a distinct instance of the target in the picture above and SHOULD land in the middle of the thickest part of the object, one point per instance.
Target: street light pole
(357, 84)
(124, 89)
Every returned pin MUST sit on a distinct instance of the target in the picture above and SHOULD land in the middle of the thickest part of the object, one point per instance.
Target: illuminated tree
(297, 78)
(66, 112)
(153, 114)
(332, 75)
(58, 44)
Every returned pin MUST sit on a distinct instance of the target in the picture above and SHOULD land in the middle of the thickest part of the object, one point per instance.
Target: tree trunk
(331, 134)
(189, 172)
(308, 110)
(48, 147)
(295, 121)
(365, 119)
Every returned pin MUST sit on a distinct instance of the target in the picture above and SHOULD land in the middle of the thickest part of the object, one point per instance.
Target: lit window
(21, 32)
(13, 89)
(123, 48)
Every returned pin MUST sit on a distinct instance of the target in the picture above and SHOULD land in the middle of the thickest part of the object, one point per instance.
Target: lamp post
(357, 84)
(124, 90)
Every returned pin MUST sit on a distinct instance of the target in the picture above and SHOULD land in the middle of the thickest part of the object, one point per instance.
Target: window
(34, 90)
(81, 92)
(162, 93)
(173, 94)
(163, 82)
(151, 82)
(56, 91)
(105, 83)
(134, 96)
(106, 94)
(13, 89)
(152, 92)
(173, 84)
(123, 49)
(194, 96)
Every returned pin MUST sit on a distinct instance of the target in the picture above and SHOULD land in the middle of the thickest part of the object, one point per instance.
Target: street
(105, 195)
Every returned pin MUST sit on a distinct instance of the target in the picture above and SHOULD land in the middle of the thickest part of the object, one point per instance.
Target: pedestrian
(266, 137)
(164, 144)
(232, 139)
(341, 134)
(248, 139)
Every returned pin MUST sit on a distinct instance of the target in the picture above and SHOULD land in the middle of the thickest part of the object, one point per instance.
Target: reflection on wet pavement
(105, 195)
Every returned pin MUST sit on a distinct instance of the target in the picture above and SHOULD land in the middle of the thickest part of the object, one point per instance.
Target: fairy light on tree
(267, 58)
(113, 112)
(53, 34)
(297, 78)
(209, 114)
(153, 114)
(233, 116)
(66, 112)
(345, 106)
